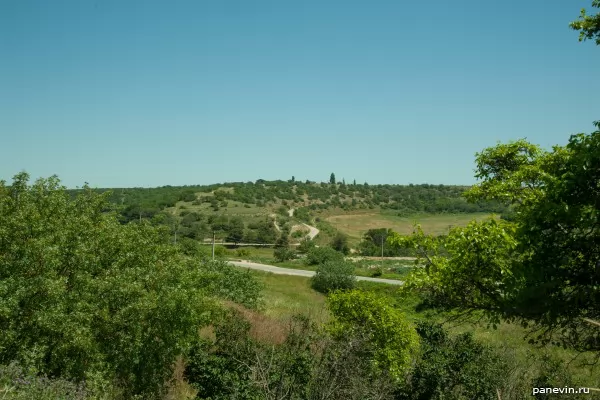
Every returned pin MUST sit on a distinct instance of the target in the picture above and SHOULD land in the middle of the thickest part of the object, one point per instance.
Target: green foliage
(242, 252)
(306, 245)
(298, 234)
(82, 295)
(588, 25)
(453, 367)
(236, 365)
(17, 384)
(137, 204)
(542, 267)
(340, 243)
(187, 195)
(320, 255)
(392, 336)
(216, 369)
(333, 275)
(282, 254)
(235, 230)
(225, 281)
(266, 232)
(374, 240)
(303, 363)
(302, 214)
(220, 251)
(192, 248)
(332, 178)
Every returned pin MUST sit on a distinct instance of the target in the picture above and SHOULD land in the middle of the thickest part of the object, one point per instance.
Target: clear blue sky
(150, 93)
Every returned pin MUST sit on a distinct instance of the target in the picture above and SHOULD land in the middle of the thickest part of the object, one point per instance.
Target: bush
(101, 300)
(298, 234)
(217, 369)
(334, 275)
(306, 245)
(242, 252)
(320, 255)
(220, 251)
(453, 367)
(283, 254)
(340, 243)
(192, 248)
(389, 333)
(16, 384)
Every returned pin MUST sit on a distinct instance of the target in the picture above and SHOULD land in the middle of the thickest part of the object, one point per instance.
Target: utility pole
(381, 247)
(213, 246)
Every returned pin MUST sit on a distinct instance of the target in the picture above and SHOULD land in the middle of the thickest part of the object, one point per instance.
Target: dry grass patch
(356, 224)
(177, 387)
(263, 328)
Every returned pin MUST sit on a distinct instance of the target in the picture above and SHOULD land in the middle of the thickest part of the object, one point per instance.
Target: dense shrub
(392, 337)
(242, 252)
(283, 254)
(306, 245)
(83, 296)
(306, 363)
(17, 384)
(453, 367)
(333, 275)
(340, 243)
(320, 255)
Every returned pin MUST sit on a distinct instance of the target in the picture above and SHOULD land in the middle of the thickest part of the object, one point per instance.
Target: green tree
(84, 297)
(374, 242)
(393, 337)
(282, 250)
(306, 245)
(235, 230)
(541, 268)
(454, 367)
(266, 232)
(340, 243)
(588, 25)
(332, 178)
(320, 255)
(333, 275)
(283, 254)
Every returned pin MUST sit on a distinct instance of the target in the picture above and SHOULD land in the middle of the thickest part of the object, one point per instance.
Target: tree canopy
(84, 297)
(542, 267)
(588, 25)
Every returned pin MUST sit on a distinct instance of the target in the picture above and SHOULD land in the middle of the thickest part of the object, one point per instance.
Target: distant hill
(305, 197)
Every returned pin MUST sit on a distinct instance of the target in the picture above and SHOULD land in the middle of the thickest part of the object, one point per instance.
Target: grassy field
(288, 295)
(233, 208)
(356, 224)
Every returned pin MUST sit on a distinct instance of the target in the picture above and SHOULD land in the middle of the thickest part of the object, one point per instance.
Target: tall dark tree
(332, 178)
(266, 232)
(235, 230)
(340, 243)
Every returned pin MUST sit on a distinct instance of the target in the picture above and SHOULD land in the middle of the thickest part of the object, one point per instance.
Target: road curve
(301, 272)
(313, 231)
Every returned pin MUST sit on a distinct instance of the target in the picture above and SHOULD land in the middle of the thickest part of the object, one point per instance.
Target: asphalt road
(301, 272)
